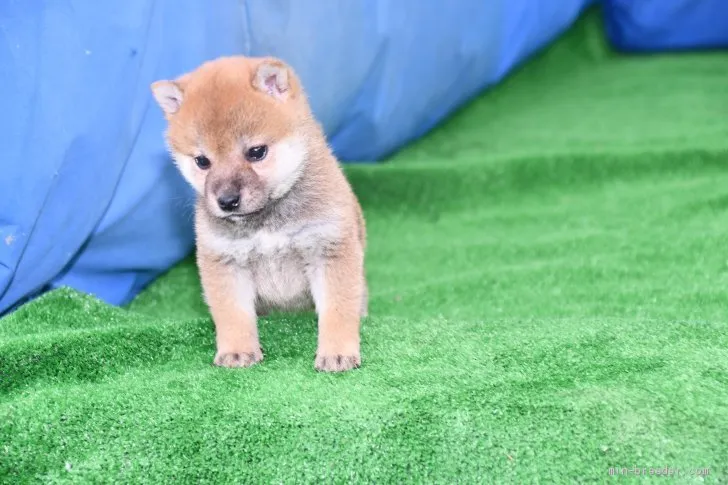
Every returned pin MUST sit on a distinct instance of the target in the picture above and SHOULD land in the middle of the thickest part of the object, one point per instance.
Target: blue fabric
(88, 195)
(383, 72)
(667, 25)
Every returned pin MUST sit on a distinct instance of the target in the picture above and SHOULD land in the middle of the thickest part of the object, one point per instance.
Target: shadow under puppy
(277, 224)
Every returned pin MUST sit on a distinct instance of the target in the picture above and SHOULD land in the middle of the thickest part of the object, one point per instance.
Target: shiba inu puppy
(277, 224)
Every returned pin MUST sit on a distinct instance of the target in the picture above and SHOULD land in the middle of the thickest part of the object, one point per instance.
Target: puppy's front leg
(337, 287)
(230, 295)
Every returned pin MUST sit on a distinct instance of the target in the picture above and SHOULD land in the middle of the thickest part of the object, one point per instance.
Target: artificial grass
(548, 275)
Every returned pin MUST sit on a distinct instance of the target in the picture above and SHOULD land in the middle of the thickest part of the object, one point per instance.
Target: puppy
(277, 224)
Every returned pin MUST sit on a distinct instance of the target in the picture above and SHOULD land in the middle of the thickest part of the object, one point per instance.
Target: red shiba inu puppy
(277, 224)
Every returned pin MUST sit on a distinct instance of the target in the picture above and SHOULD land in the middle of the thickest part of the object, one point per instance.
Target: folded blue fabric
(667, 25)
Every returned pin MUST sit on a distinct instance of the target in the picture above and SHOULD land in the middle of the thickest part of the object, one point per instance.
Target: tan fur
(297, 239)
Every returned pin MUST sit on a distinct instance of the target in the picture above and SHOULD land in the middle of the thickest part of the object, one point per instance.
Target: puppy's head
(237, 131)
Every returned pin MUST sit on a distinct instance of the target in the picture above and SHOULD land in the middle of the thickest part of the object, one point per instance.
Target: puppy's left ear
(274, 78)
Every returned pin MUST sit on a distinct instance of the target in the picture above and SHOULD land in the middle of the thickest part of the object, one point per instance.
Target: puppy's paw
(238, 359)
(336, 362)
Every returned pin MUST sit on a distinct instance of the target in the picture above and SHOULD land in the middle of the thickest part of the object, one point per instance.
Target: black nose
(229, 202)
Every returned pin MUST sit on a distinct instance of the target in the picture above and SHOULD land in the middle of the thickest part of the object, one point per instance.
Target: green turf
(549, 297)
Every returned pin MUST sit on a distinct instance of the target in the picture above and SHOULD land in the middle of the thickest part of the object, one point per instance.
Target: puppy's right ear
(169, 96)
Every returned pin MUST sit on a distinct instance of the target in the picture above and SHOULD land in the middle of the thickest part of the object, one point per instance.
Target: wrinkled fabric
(88, 195)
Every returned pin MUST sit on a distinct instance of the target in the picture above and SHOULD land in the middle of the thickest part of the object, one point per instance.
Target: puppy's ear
(169, 95)
(273, 78)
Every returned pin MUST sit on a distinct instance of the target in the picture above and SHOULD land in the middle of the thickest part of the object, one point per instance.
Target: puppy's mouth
(242, 215)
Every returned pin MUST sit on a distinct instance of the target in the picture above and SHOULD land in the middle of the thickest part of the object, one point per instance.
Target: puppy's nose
(229, 201)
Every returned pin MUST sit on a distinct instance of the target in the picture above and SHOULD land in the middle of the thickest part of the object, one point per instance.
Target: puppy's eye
(203, 162)
(256, 154)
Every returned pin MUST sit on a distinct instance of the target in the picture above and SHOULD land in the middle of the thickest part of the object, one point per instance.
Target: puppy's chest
(279, 262)
(304, 246)
(278, 268)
